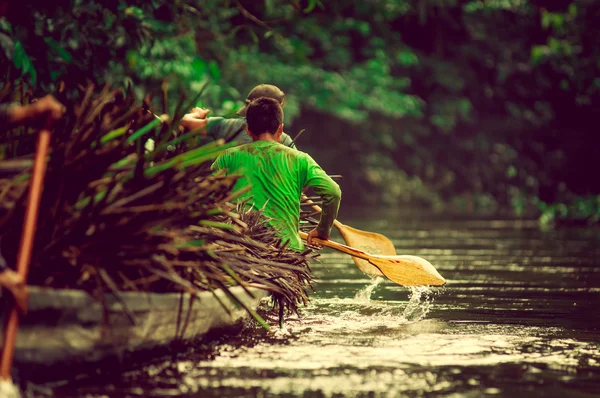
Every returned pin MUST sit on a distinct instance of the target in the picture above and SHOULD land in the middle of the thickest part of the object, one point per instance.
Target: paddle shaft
(26, 246)
(338, 246)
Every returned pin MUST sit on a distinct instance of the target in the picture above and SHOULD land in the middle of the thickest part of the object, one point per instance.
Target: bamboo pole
(26, 247)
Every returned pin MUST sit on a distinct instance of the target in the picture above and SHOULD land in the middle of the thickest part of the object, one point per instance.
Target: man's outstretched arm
(331, 196)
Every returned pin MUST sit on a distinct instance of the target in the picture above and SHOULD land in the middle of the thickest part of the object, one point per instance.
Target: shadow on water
(518, 318)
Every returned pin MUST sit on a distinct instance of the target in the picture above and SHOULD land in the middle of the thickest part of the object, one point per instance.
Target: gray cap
(262, 90)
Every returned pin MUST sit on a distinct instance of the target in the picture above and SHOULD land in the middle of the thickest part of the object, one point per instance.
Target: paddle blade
(368, 242)
(408, 270)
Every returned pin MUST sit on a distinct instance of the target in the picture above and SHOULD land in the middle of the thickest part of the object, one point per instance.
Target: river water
(519, 316)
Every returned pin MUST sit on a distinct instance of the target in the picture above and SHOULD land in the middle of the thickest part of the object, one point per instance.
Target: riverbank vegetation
(463, 105)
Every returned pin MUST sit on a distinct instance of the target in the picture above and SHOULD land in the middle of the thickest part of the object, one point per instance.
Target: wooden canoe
(66, 326)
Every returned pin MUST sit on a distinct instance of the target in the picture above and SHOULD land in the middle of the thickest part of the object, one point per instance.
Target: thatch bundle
(115, 216)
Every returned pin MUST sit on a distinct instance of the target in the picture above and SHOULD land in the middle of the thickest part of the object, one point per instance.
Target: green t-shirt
(277, 175)
(234, 129)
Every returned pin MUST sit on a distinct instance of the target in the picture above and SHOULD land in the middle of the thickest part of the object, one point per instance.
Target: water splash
(281, 332)
(364, 294)
(418, 306)
(419, 303)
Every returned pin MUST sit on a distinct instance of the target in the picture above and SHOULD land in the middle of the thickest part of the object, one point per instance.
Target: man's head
(263, 90)
(264, 115)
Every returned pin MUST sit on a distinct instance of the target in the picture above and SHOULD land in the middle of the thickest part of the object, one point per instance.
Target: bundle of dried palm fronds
(115, 216)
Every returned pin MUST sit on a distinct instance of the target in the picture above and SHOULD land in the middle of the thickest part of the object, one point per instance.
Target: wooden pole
(26, 247)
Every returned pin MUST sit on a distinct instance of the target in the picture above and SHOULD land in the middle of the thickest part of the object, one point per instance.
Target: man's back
(277, 175)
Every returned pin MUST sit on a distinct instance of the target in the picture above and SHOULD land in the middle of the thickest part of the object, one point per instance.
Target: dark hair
(264, 115)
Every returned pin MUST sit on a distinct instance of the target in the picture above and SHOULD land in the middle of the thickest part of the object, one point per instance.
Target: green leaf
(5, 25)
(86, 200)
(573, 10)
(216, 224)
(139, 133)
(269, 7)
(195, 156)
(112, 135)
(511, 171)
(192, 243)
(538, 53)
(407, 58)
(199, 68)
(546, 19)
(60, 50)
(215, 72)
(311, 5)
(22, 61)
(134, 12)
(214, 212)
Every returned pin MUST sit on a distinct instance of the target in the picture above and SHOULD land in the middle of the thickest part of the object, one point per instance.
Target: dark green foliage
(509, 92)
(80, 40)
(581, 210)
(482, 104)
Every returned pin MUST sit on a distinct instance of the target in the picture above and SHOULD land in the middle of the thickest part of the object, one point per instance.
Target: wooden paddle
(403, 270)
(369, 242)
(29, 224)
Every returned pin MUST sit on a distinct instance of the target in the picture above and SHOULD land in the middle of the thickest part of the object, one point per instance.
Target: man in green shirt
(233, 128)
(278, 174)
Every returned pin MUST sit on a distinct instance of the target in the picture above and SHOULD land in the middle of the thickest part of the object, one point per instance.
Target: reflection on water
(518, 318)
